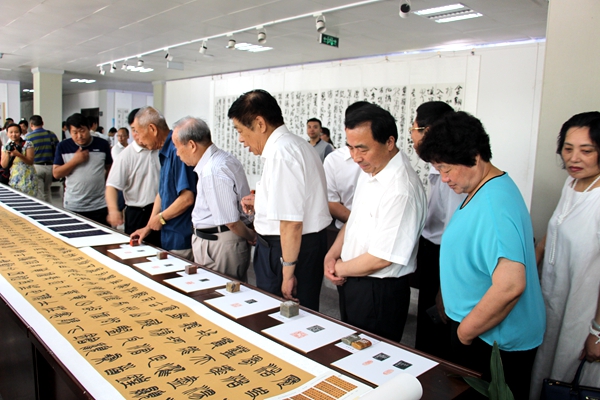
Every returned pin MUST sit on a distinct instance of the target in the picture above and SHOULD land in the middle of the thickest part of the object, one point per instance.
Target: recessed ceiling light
(441, 9)
(449, 13)
(252, 48)
(459, 17)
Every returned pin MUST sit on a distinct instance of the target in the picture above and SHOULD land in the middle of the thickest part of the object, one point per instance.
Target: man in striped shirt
(44, 146)
(221, 236)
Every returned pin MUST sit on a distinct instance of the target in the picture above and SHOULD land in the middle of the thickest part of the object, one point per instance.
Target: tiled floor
(329, 296)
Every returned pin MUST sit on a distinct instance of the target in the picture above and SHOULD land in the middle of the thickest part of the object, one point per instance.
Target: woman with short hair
(488, 274)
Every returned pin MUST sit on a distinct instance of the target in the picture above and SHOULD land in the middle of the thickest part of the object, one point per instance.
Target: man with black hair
(377, 248)
(65, 131)
(44, 147)
(313, 130)
(84, 160)
(432, 337)
(94, 129)
(290, 202)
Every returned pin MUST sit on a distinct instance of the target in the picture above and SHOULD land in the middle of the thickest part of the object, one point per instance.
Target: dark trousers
(308, 271)
(430, 338)
(136, 218)
(98, 216)
(376, 305)
(476, 356)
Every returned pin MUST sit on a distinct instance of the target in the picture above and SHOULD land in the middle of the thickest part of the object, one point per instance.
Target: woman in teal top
(488, 276)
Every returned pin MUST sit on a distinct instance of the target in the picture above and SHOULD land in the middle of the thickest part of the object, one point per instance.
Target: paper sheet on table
(243, 303)
(308, 332)
(200, 281)
(381, 362)
(156, 266)
(126, 251)
(402, 386)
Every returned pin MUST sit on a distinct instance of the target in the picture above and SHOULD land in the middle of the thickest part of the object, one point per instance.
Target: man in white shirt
(122, 142)
(290, 205)
(221, 235)
(433, 338)
(377, 248)
(136, 172)
(313, 130)
(342, 174)
(93, 122)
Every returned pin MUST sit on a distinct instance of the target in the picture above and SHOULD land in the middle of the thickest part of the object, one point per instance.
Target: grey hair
(149, 115)
(194, 129)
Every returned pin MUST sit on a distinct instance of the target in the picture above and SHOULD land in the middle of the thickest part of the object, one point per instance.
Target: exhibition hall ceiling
(77, 35)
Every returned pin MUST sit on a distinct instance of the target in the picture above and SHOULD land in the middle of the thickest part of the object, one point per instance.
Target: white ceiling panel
(75, 35)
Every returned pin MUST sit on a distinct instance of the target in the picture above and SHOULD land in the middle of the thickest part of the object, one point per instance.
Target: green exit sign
(329, 40)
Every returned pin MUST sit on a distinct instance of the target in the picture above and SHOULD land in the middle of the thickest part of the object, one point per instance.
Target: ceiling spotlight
(102, 71)
(404, 8)
(113, 68)
(321, 24)
(124, 66)
(203, 47)
(140, 63)
(262, 35)
(231, 44)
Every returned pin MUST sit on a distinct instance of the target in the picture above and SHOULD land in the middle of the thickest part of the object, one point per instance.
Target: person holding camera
(17, 157)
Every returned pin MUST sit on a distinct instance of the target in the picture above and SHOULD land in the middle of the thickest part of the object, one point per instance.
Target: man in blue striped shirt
(221, 235)
(44, 146)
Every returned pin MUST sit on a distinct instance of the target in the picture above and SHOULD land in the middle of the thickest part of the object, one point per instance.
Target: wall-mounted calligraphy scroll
(329, 106)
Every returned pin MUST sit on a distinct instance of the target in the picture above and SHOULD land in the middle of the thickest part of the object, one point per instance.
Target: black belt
(209, 233)
(44, 163)
(141, 208)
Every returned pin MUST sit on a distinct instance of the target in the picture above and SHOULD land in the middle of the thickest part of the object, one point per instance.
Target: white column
(159, 96)
(47, 97)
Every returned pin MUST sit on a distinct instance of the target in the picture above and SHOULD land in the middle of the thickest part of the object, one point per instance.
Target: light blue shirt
(494, 224)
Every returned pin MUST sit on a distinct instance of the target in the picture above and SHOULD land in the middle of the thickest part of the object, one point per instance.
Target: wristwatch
(287, 264)
(162, 220)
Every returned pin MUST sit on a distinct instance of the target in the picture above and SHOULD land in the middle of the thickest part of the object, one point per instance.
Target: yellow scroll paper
(145, 344)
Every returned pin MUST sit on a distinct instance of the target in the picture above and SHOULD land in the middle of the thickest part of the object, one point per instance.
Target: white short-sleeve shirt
(221, 185)
(388, 215)
(443, 201)
(292, 186)
(342, 174)
(136, 171)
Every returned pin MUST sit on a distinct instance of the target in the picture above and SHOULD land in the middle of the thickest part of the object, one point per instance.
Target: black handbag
(555, 390)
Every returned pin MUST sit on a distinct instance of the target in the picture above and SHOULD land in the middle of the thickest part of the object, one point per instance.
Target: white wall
(502, 88)
(189, 97)
(108, 101)
(73, 103)
(10, 96)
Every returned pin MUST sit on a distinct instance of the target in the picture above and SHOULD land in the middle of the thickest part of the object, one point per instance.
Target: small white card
(243, 303)
(156, 266)
(126, 251)
(201, 281)
(308, 332)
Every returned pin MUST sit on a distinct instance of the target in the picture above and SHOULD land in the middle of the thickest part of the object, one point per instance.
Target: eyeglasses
(415, 129)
